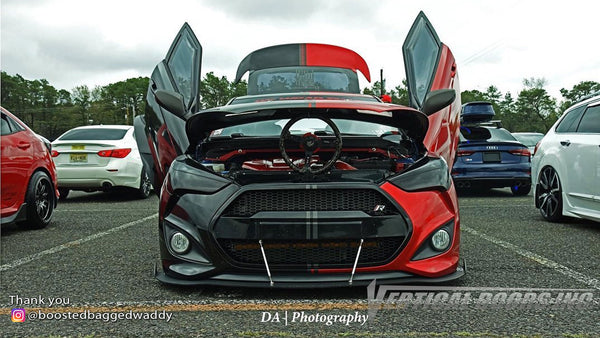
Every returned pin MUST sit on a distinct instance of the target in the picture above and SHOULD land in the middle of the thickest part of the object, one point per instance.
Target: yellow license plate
(78, 147)
(78, 158)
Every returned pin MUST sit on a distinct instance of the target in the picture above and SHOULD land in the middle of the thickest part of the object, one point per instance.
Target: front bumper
(206, 219)
(306, 281)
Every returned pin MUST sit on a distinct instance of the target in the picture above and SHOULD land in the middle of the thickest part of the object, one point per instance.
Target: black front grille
(367, 200)
(326, 253)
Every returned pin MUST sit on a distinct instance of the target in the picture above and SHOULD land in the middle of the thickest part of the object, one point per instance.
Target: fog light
(440, 240)
(180, 243)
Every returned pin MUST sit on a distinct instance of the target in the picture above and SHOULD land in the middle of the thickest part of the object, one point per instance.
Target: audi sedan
(490, 157)
(93, 158)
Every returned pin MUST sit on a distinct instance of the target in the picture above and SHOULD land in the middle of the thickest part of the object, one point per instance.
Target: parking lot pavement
(97, 256)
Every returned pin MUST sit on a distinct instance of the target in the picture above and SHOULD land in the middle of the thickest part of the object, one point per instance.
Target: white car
(566, 165)
(95, 158)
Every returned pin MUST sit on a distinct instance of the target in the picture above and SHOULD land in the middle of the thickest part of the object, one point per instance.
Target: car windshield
(274, 127)
(85, 134)
(529, 140)
(300, 79)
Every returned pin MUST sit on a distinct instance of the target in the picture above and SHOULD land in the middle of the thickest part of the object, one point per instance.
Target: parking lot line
(62, 247)
(578, 276)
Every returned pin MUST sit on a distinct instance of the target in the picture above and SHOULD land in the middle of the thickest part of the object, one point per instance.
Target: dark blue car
(489, 156)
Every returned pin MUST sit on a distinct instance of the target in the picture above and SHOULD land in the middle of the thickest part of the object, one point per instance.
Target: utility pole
(382, 89)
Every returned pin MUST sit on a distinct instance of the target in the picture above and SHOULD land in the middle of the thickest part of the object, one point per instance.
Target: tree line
(50, 111)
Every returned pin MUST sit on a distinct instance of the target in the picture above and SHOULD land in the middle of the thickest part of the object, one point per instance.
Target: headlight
(179, 243)
(440, 240)
(431, 173)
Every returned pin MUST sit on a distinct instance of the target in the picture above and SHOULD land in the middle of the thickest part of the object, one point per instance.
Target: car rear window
(301, 79)
(93, 134)
(480, 134)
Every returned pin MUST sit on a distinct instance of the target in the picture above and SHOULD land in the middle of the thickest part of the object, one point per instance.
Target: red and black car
(305, 182)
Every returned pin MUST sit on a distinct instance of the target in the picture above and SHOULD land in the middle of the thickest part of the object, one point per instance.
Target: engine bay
(254, 159)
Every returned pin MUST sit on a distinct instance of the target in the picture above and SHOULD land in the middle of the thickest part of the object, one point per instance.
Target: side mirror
(437, 100)
(171, 101)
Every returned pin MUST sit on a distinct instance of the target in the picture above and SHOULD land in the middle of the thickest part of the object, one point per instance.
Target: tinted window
(10, 126)
(299, 79)
(590, 122)
(570, 121)
(5, 126)
(93, 134)
(421, 52)
(274, 128)
(485, 134)
(181, 65)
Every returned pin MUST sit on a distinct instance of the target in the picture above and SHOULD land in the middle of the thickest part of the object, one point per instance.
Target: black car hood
(201, 124)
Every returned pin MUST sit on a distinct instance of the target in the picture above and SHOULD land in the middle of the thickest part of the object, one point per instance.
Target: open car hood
(201, 124)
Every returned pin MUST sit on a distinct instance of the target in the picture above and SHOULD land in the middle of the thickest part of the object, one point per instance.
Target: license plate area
(78, 158)
(491, 157)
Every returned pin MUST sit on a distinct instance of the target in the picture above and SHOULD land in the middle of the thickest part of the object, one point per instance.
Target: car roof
(526, 133)
(585, 101)
(105, 126)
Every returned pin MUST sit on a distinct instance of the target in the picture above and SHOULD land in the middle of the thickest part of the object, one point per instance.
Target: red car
(305, 182)
(29, 190)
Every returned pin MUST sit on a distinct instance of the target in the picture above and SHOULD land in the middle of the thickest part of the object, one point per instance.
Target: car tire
(40, 201)
(145, 185)
(63, 193)
(548, 195)
(520, 190)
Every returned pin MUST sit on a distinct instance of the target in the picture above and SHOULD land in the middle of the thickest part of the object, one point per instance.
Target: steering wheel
(311, 144)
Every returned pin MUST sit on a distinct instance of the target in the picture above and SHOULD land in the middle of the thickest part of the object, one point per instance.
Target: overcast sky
(92, 42)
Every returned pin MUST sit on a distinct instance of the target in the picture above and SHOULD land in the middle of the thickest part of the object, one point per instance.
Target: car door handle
(23, 145)
(565, 143)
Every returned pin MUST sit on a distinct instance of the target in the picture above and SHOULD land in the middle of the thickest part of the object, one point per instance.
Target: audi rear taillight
(54, 153)
(116, 153)
(520, 152)
(464, 153)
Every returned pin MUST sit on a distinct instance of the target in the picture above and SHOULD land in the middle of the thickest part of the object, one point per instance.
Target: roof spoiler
(303, 54)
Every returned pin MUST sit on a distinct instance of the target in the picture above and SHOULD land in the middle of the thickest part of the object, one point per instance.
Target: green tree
(374, 90)
(400, 94)
(82, 100)
(217, 91)
(121, 101)
(535, 107)
(580, 90)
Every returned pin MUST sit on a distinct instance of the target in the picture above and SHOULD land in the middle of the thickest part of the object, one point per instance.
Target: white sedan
(566, 165)
(95, 158)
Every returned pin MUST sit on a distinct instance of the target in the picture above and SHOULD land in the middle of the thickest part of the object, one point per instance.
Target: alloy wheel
(549, 194)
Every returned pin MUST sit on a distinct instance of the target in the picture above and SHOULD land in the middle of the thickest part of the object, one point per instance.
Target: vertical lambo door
(430, 66)
(176, 79)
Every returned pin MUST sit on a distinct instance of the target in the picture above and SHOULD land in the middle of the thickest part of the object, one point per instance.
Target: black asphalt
(100, 256)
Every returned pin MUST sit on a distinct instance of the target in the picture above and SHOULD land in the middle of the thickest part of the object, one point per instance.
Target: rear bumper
(97, 177)
(496, 182)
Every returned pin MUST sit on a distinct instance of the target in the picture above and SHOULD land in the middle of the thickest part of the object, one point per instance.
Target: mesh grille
(339, 253)
(251, 202)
